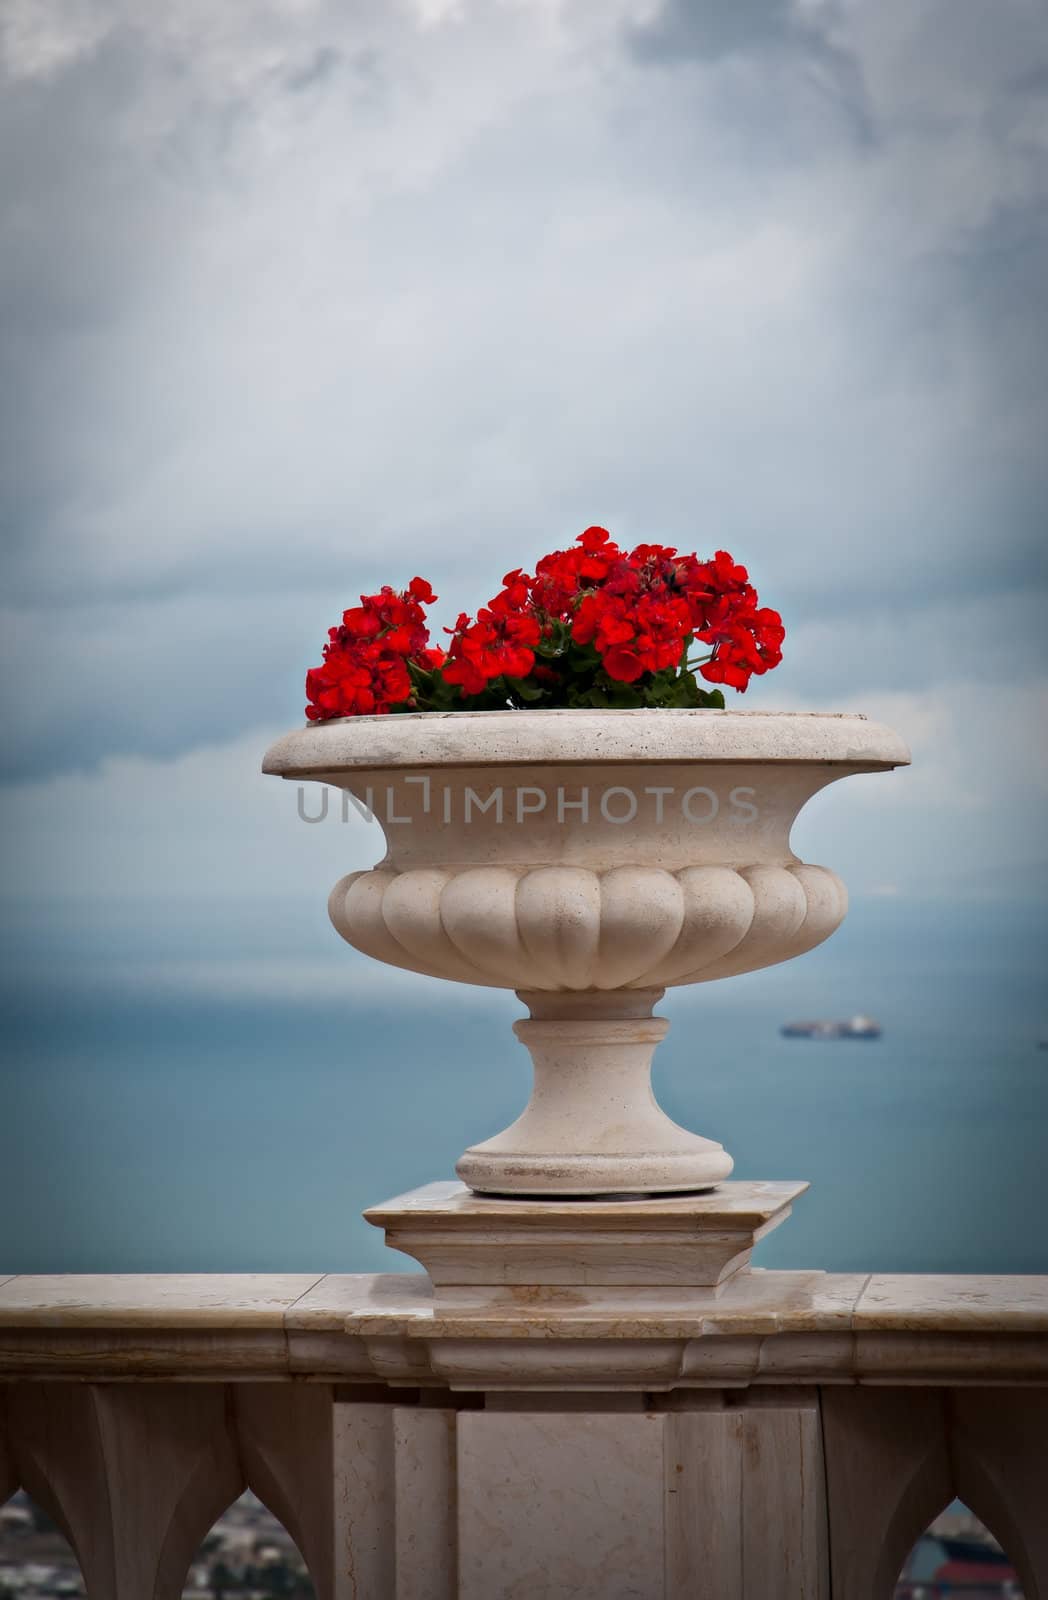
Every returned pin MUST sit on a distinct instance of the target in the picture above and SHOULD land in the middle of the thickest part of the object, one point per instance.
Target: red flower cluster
(637, 619)
(561, 577)
(501, 643)
(365, 660)
(748, 642)
(593, 620)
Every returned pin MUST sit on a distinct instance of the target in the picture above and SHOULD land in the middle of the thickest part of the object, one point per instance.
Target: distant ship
(858, 1027)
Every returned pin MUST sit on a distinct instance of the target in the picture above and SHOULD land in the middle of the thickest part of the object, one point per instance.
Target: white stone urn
(588, 860)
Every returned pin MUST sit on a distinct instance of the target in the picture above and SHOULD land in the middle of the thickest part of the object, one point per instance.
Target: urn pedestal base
(614, 1256)
(593, 1126)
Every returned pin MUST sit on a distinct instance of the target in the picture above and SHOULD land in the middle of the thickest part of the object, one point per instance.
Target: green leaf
(528, 692)
(582, 658)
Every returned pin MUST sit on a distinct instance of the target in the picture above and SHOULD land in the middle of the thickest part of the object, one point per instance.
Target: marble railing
(788, 1438)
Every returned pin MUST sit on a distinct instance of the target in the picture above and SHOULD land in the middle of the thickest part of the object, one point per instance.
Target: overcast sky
(301, 297)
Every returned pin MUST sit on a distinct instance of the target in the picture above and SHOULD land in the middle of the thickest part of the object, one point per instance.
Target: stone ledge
(153, 1300)
(755, 1302)
(765, 1328)
(953, 1303)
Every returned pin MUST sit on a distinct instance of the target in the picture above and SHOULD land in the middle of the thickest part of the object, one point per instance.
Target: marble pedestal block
(657, 1255)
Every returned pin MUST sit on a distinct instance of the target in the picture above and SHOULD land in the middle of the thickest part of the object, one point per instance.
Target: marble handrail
(363, 1327)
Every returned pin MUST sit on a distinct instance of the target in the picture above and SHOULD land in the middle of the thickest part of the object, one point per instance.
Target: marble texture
(130, 1471)
(747, 1203)
(705, 1503)
(588, 861)
(205, 1325)
(899, 1302)
(284, 1435)
(318, 1342)
(746, 1502)
(364, 1494)
(567, 928)
(526, 738)
(561, 1507)
(592, 1124)
(426, 1495)
(895, 1457)
(337, 1295)
(221, 1300)
(579, 1494)
(393, 1484)
(657, 1255)
(763, 1328)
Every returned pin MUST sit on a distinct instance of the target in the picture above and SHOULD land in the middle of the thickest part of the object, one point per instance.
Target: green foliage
(566, 676)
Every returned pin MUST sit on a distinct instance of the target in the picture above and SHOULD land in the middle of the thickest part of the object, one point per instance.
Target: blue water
(147, 1128)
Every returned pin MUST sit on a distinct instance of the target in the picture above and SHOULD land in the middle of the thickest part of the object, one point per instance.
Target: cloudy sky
(298, 297)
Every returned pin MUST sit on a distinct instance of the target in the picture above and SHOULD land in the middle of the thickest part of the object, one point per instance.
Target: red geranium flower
(561, 577)
(593, 612)
(748, 643)
(635, 621)
(397, 618)
(365, 660)
(500, 643)
(355, 680)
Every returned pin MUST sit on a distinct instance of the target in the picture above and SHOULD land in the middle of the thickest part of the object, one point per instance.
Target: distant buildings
(246, 1556)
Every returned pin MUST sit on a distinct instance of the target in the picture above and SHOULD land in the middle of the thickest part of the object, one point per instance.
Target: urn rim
(527, 738)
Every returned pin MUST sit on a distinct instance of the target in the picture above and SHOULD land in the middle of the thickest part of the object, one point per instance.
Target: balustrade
(787, 1438)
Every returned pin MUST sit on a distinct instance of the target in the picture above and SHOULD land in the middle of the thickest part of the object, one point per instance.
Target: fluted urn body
(588, 860)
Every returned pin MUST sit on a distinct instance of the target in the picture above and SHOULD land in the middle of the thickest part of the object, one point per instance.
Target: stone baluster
(134, 1474)
(895, 1458)
(285, 1438)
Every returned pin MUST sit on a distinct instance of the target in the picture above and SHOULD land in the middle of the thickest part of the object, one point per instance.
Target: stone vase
(588, 860)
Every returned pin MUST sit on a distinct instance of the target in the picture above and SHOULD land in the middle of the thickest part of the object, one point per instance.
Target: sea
(193, 1088)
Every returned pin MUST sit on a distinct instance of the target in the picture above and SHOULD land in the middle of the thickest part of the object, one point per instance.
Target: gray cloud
(703, 28)
(322, 64)
(317, 299)
(797, 44)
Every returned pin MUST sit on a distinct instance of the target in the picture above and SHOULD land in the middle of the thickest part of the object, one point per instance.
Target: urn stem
(593, 1126)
